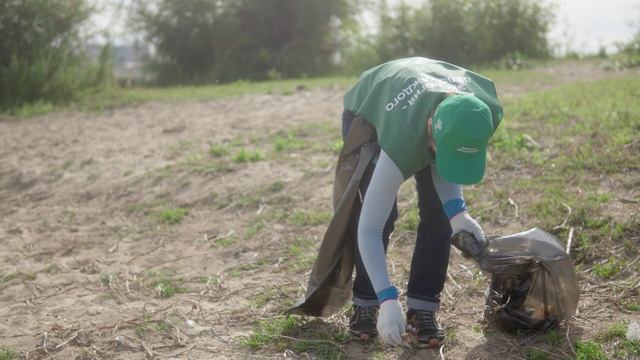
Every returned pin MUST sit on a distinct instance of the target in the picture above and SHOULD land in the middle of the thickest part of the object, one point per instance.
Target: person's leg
(428, 265)
(433, 243)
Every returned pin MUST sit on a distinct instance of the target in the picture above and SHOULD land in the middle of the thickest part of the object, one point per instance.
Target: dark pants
(433, 241)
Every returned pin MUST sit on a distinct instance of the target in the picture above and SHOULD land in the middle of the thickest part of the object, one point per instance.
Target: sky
(582, 26)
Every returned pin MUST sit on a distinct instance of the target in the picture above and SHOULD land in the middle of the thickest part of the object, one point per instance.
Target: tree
(224, 40)
(41, 53)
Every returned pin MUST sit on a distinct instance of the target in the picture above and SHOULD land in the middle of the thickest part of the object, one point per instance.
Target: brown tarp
(330, 281)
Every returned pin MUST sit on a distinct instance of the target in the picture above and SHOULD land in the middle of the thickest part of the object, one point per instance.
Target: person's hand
(464, 222)
(391, 322)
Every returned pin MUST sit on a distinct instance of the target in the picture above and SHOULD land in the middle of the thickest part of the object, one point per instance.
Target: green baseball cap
(461, 128)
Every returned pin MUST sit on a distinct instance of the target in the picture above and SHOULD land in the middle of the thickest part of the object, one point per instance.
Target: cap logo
(468, 150)
(439, 124)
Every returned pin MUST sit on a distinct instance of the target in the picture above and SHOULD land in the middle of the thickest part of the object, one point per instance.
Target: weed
(254, 227)
(167, 287)
(589, 350)
(247, 156)
(262, 298)
(172, 216)
(535, 354)
(276, 186)
(225, 242)
(67, 164)
(634, 307)
(218, 150)
(608, 269)
(287, 332)
(24, 276)
(553, 338)
(409, 220)
(288, 142)
(310, 218)
(614, 331)
(7, 353)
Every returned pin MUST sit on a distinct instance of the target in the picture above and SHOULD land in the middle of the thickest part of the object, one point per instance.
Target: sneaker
(424, 327)
(363, 322)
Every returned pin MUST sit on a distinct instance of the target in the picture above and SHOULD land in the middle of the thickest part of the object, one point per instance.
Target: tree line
(209, 41)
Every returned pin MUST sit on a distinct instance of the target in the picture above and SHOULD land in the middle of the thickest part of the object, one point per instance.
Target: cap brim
(461, 171)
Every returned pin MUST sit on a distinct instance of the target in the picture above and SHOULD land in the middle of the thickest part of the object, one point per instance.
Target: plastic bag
(533, 281)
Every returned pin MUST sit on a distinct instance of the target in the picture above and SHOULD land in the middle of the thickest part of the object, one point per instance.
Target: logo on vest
(468, 150)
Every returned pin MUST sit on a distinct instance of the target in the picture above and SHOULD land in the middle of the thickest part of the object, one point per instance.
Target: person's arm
(454, 207)
(377, 205)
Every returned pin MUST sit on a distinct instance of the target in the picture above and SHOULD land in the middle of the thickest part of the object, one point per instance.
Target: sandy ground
(86, 260)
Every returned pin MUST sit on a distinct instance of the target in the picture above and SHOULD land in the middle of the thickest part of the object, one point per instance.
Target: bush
(466, 32)
(206, 41)
(41, 57)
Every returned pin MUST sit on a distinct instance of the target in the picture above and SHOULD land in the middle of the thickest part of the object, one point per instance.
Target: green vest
(397, 97)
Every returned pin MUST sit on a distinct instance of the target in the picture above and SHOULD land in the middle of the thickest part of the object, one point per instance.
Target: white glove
(391, 322)
(464, 222)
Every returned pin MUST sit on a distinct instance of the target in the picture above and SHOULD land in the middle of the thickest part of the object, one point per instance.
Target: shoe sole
(420, 344)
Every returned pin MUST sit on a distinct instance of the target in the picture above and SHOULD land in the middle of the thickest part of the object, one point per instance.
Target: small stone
(633, 331)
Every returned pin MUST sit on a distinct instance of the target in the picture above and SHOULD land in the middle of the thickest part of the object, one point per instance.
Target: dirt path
(97, 261)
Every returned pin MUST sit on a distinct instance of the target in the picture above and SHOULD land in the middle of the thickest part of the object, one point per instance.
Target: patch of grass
(536, 354)
(589, 350)
(316, 338)
(553, 338)
(172, 216)
(614, 331)
(288, 142)
(409, 220)
(31, 110)
(310, 218)
(254, 227)
(219, 150)
(225, 242)
(608, 269)
(18, 275)
(244, 155)
(67, 164)
(166, 287)
(7, 353)
(262, 298)
(633, 306)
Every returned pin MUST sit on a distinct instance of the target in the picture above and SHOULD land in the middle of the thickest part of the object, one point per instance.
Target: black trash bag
(533, 281)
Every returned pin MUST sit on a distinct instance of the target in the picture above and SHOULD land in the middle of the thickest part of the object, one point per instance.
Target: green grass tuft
(173, 216)
(7, 353)
(244, 155)
(589, 350)
(608, 269)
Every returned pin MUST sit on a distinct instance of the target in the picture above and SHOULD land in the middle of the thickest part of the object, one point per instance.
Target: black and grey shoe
(424, 328)
(363, 322)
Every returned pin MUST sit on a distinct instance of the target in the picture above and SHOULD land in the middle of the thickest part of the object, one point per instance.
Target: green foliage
(535, 354)
(608, 269)
(40, 57)
(589, 350)
(553, 337)
(245, 155)
(205, 41)
(173, 215)
(7, 353)
(166, 287)
(315, 338)
(465, 32)
(310, 218)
